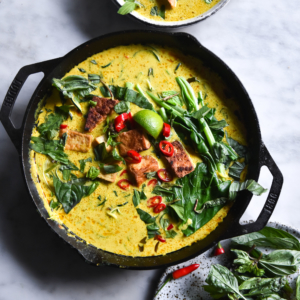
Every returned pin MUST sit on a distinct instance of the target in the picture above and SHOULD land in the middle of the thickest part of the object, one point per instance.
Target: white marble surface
(258, 39)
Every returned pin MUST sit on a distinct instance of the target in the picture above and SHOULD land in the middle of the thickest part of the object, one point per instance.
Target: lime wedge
(150, 121)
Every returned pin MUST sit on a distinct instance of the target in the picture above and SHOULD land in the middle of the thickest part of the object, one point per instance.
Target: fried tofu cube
(109, 177)
(132, 140)
(180, 162)
(148, 164)
(98, 113)
(102, 139)
(77, 141)
(173, 3)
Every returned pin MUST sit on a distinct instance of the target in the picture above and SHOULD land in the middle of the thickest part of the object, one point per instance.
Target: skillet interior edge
(188, 45)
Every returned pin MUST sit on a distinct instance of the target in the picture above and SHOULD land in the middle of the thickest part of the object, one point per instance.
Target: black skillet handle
(14, 133)
(237, 229)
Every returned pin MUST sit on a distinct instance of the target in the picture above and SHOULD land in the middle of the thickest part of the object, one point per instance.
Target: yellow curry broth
(185, 9)
(90, 221)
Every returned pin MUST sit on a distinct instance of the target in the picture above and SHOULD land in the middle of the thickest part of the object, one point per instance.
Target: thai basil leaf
(105, 92)
(250, 185)
(93, 62)
(145, 217)
(222, 281)
(174, 100)
(94, 78)
(199, 114)
(105, 66)
(150, 175)
(111, 169)
(298, 288)
(262, 286)
(101, 154)
(122, 106)
(246, 264)
(215, 124)
(271, 297)
(138, 99)
(241, 150)
(268, 237)
(236, 169)
(92, 173)
(153, 230)
(66, 171)
(136, 198)
(128, 7)
(82, 163)
(211, 204)
(52, 148)
(54, 204)
(74, 87)
(82, 70)
(53, 121)
(164, 223)
(155, 11)
(281, 262)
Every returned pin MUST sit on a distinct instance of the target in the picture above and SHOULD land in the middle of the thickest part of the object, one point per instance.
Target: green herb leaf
(103, 67)
(94, 78)
(74, 87)
(236, 169)
(82, 70)
(54, 204)
(93, 173)
(93, 62)
(111, 169)
(298, 288)
(127, 7)
(138, 99)
(122, 106)
(153, 230)
(82, 163)
(177, 67)
(145, 217)
(222, 281)
(262, 286)
(250, 185)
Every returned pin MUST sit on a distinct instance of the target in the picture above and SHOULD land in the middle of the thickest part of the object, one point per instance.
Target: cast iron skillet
(230, 227)
(174, 24)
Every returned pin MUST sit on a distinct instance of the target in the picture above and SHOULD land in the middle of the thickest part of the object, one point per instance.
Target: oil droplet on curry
(115, 216)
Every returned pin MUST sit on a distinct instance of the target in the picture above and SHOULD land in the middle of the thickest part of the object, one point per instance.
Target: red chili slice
(159, 208)
(166, 130)
(131, 121)
(124, 184)
(164, 175)
(152, 182)
(185, 271)
(166, 148)
(154, 201)
(133, 157)
(160, 238)
(123, 172)
(171, 226)
(63, 126)
(120, 121)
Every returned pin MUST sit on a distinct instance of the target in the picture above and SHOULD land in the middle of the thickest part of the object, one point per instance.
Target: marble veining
(259, 40)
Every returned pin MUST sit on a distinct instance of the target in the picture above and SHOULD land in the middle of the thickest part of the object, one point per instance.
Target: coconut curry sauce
(107, 218)
(160, 10)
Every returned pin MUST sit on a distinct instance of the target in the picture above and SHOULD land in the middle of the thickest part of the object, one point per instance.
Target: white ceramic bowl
(175, 24)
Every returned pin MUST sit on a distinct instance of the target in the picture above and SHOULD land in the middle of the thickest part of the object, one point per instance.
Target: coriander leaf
(93, 173)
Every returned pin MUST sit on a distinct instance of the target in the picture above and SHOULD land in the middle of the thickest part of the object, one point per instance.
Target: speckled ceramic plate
(190, 287)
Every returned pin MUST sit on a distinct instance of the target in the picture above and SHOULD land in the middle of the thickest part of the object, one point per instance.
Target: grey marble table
(258, 39)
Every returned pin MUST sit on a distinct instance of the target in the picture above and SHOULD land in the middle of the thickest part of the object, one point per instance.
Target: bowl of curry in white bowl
(141, 149)
(169, 13)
